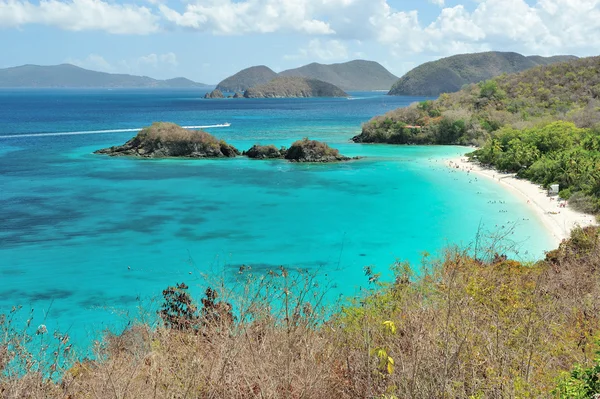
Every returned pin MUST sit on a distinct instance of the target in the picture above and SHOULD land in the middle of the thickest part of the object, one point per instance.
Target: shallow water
(84, 238)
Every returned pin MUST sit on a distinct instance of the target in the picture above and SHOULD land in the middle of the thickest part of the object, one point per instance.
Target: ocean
(84, 238)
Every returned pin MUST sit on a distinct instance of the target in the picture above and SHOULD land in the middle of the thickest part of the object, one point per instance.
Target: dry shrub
(464, 328)
(170, 132)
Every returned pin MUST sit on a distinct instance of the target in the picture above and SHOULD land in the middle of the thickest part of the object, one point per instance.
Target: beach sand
(558, 220)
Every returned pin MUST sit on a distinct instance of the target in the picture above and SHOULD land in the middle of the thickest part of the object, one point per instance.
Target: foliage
(557, 153)
(306, 150)
(562, 91)
(258, 151)
(581, 383)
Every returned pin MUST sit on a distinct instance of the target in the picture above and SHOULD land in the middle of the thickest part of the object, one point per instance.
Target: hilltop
(450, 74)
(357, 75)
(247, 78)
(71, 76)
(283, 87)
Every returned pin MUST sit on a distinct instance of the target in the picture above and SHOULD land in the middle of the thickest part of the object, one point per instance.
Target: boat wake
(102, 131)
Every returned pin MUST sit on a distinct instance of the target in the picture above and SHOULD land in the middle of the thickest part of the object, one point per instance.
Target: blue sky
(208, 40)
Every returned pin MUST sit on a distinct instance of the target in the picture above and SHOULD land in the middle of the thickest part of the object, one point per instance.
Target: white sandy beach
(558, 220)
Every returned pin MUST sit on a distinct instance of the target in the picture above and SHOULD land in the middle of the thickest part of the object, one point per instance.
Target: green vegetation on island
(286, 87)
(306, 150)
(357, 75)
(247, 78)
(450, 74)
(464, 326)
(165, 140)
(258, 151)
(543, 124)
(71, 76)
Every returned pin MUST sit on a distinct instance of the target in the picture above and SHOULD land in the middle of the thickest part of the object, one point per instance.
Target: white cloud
(94, 62)
(227, 17)
(440, 3)
(146, 64)
(330, 50)
(79, 15)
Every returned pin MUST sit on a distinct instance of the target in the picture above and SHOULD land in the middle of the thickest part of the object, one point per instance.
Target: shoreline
(558, 221)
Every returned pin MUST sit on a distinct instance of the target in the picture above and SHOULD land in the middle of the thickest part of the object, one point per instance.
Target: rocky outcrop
(238, 95)
(306, 150)
(291, 87)
(214, 94)
(168, 140)
(265, 152)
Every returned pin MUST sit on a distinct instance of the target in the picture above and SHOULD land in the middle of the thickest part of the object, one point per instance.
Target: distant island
(357, 75)
(71, 76)
(247, 78)
(285, 87)
(166, 140)
(449, 75)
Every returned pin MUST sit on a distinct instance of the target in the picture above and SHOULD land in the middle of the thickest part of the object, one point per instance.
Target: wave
(102, 131)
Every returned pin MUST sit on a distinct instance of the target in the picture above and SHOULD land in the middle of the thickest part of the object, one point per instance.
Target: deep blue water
(84, 237)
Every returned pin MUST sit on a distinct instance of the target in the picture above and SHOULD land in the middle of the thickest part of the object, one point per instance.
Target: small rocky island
(294, 87)
(167, 140)
(304, 150)
(214, 94)
(265, 152)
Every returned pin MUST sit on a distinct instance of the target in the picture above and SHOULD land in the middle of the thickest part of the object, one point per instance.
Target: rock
(214, 94)
(168, 140)
(265, 152)
(238, 95)
(306, 150)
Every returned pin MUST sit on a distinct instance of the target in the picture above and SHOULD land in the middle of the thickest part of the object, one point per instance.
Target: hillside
(450, 74)
(357, 75)
(247, 78)
(567, 91)
(283, 87)
(71, 76)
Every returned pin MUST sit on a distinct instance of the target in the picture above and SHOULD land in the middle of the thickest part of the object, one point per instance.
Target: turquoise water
(84, 238)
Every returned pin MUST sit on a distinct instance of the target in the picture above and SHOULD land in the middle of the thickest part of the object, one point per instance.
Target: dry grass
(466, 328)
(170, 132)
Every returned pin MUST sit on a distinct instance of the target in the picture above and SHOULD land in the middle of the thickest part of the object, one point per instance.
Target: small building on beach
(554, 189)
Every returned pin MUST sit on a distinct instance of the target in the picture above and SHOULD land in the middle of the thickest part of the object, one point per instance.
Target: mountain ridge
(450, 74)
(72, 76)
(355, 75)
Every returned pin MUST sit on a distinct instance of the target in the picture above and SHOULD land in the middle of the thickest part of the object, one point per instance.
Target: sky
(208, 40)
